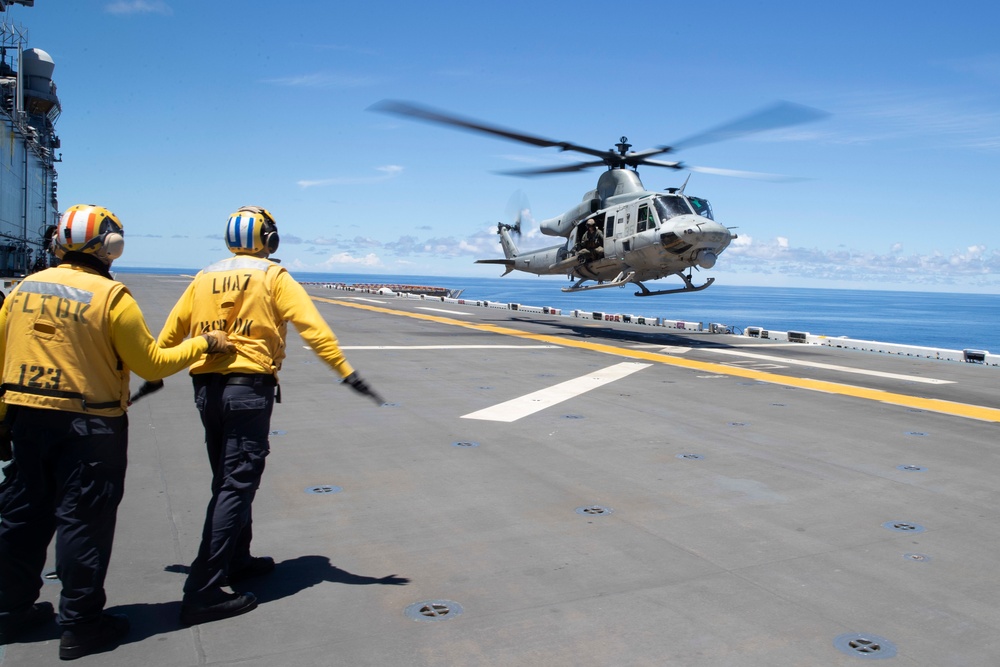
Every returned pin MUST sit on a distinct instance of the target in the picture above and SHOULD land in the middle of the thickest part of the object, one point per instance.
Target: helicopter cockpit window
(701, 207)
(669, 207)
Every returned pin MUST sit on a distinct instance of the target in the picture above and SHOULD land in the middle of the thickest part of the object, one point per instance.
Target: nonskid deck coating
(747, 510)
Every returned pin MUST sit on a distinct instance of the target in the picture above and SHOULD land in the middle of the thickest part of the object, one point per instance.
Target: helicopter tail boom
(507, 263)
(506, 240)
(509, 249)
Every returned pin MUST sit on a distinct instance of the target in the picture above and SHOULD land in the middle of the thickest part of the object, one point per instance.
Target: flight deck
(544, 490)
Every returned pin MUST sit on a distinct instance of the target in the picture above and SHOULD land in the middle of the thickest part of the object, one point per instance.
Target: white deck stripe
(442, 310)
(528, 404)
(830, 367)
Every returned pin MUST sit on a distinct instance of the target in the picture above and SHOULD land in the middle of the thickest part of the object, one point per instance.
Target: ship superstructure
(29, 108)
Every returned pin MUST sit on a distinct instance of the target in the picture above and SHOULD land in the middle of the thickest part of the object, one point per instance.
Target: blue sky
(177, 112)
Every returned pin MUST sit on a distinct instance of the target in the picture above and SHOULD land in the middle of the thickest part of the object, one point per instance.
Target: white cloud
(346, 259)
(962, 122)
(388, 172)
(975, 264)
(139, 7)
(323, 80)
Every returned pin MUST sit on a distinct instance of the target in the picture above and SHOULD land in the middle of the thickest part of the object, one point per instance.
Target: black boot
(218, 606)
(84, 639)
(17, 625)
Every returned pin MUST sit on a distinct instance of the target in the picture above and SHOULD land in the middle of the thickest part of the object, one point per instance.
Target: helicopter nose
(709, 235)
(698, 239)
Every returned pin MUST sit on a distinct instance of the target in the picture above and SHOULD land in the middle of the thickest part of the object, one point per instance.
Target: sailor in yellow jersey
(253, 299)
(69, 337)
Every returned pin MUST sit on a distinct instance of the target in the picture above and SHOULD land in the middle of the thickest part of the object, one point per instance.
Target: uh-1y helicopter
(646, 235)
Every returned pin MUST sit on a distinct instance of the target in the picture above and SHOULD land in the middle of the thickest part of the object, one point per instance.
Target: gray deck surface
(744, 519)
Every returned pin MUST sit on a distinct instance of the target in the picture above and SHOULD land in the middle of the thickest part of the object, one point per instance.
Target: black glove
(146, 389)
(360, 386)
(6, 451)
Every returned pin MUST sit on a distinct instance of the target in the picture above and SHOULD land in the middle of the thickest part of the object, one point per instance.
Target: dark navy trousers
(67, 479)
(237, 421)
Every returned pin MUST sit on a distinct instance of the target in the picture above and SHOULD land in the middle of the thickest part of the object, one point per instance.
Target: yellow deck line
(931, 404)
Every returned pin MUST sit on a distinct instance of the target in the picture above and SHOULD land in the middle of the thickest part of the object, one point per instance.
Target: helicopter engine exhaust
(562, 225)
(706, 259)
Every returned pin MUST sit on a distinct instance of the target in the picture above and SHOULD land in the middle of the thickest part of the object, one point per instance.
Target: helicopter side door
(645, 251)
(616, 241)
(626, 228)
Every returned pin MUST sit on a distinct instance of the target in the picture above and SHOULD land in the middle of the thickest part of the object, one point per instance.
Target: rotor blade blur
(753, 175)
(579, 166)
(735, 173)
(411, 110)
(517, 206)
(661, 163)
(782, 114)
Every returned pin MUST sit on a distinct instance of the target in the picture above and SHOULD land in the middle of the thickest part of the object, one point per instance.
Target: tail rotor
(518, 211)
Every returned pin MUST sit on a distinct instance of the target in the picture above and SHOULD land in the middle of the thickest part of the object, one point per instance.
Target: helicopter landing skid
(688, 287)
(619, 281)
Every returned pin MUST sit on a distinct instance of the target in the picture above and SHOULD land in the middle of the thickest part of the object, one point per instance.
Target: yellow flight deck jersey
(251, 299)
(68, 339)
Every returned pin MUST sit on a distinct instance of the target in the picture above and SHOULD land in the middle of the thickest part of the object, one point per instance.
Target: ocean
(929, 319)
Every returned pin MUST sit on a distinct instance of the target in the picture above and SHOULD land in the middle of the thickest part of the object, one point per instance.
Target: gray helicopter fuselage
(647, 234)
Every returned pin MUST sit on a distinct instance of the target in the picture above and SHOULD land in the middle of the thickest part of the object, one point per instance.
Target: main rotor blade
(753, 175)
(661, 163)
(782, 114)
(412, 110)
(578, 166)
(735, 173)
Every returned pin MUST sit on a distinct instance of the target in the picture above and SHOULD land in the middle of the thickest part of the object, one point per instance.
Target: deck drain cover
(917, 558)
(323, 488)
(594, 510)
(870, 647)
(433, 610)
(911, 468)
(903, 527)
(465, 443)
(691, 457)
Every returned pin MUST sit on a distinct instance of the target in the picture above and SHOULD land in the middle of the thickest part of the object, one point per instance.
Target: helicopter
(642, 235)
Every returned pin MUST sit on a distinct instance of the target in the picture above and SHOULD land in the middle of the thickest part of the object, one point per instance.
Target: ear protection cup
(114, 245)
(270, 236)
